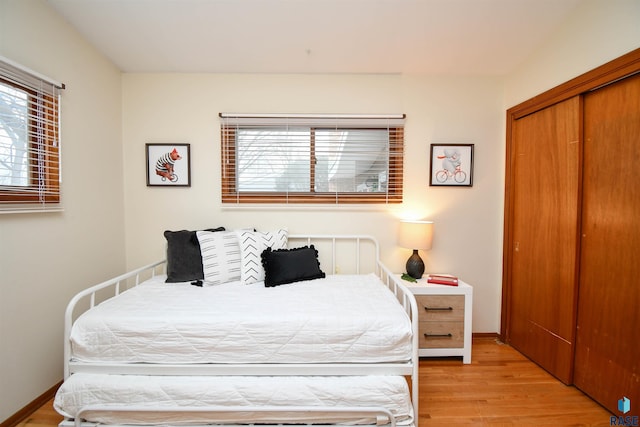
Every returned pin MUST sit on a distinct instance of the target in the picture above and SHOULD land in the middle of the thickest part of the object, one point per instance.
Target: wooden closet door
(544, 236)
(607, 360)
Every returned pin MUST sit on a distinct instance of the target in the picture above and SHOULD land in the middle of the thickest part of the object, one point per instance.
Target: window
(29, 139)
(312, 159)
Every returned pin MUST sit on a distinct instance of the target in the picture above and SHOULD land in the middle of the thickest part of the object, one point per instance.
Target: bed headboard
(342, 254)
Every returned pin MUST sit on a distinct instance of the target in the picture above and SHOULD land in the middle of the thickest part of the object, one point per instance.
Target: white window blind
(312, 158)
(29, 139)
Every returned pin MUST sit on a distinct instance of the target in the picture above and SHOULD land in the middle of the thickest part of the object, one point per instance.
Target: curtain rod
(311, 116)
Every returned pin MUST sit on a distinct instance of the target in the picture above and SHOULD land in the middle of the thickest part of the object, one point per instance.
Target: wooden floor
(500, 388)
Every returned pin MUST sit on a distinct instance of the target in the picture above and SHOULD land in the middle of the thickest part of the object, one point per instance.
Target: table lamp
(415, 235)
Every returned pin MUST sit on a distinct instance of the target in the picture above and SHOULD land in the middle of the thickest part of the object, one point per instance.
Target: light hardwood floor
(500, 388)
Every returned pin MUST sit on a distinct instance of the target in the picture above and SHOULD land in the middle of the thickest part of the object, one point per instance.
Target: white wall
(184, 108)
(596, 33)
(45, 258)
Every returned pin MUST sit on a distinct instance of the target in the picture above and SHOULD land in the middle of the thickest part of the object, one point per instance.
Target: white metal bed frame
(381, 415)
(114, 286)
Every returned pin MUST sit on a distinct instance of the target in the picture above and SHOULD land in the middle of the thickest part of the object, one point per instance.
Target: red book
(442, 279)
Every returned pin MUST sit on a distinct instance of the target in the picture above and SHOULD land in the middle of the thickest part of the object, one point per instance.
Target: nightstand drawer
(440, 308)
(441, 335)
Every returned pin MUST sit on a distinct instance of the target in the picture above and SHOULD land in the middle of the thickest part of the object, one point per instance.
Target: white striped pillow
(220, 256)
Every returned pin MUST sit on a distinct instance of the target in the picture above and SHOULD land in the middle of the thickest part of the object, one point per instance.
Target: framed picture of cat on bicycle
(168, 165)
(451, 165)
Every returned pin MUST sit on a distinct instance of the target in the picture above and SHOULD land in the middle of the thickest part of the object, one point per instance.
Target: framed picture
(168, 165)
(451, 165)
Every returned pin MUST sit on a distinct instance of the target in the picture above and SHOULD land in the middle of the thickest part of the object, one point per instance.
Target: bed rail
(408, 302)
(382, 416)
(114, 285)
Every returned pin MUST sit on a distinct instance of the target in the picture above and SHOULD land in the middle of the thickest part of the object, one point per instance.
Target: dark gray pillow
(184, 261)
(290, 265)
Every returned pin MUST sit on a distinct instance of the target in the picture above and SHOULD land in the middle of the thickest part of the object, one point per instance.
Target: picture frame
(451, 165)
(168, 165)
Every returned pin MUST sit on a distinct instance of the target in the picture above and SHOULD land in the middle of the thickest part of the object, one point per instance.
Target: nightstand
(445, 314)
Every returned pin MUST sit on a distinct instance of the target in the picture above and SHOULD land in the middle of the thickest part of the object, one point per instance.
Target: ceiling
(489, 37)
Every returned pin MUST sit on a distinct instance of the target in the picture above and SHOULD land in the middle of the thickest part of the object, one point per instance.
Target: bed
(323, 334)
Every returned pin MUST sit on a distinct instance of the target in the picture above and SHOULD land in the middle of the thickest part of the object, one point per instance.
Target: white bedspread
(80, 390)
(343, 318)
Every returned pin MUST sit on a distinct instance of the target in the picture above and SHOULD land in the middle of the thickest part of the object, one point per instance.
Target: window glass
(282, 160)
(273, 159)
(354, 160)
(14, 112)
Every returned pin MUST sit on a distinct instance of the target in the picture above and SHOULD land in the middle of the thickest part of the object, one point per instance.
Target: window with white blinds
(29, 139)
(312, 158)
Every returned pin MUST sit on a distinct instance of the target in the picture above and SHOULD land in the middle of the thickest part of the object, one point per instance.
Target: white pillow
(252, 244)
(220, 256)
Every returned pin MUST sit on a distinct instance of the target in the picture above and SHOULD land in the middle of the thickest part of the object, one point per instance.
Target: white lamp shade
(416, 234)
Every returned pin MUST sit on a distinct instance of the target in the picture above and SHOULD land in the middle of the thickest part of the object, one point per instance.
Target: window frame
(229, 185)
(43, 140)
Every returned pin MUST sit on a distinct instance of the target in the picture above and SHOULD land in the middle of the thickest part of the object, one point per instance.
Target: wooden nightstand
(445, 318)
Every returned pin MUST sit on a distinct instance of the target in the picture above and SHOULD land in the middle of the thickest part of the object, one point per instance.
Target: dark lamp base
(415, 265)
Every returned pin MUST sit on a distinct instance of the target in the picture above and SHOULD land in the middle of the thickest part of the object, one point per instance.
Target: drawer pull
(438, 308)
(438, 335)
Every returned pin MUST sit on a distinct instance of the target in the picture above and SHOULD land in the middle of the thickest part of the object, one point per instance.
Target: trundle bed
(326, 336)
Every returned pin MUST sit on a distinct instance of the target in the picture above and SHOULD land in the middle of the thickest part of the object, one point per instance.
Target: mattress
(342, 318)
(81, 390)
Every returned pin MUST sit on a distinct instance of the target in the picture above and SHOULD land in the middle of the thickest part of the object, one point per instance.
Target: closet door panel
(544, 230)
(607, 360)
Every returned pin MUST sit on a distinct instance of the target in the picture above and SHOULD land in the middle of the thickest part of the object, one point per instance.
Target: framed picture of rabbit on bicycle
(168, 165)
(451, 165)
